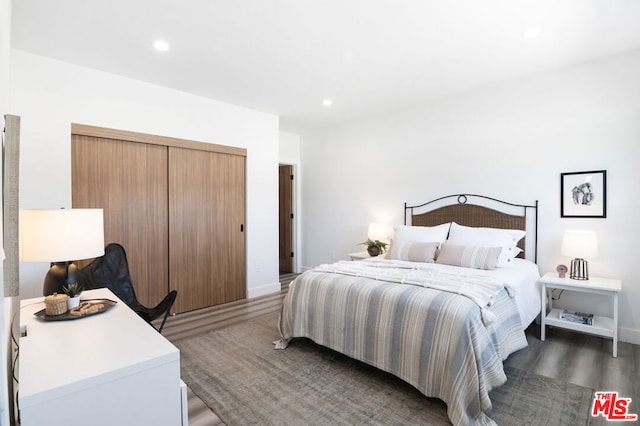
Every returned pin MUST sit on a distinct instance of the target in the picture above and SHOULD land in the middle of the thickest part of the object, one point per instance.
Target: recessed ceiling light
(161, 45)
(532, 32)
(327, 102)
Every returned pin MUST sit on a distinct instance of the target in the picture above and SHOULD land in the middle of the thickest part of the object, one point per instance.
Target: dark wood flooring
(565, 355)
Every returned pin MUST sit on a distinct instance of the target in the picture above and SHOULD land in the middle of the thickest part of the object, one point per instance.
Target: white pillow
(422, 234)
(507, 239)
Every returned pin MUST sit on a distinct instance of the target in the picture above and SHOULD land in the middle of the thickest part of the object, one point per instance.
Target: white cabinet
(111, 368)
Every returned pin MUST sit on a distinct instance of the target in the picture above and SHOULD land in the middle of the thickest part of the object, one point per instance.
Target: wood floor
(564, 355)
(583, 360)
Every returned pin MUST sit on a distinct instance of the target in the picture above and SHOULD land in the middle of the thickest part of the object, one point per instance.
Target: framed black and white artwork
(583, 194)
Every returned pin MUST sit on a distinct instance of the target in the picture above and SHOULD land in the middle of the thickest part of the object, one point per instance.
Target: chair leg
(164, 319)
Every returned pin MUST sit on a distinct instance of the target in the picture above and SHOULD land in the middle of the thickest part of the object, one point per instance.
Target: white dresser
(107, 369)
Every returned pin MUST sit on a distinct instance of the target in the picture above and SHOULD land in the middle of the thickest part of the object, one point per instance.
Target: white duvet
(521, 279)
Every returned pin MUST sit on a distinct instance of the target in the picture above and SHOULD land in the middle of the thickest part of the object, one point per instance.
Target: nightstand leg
(615, 325)
(543, 310)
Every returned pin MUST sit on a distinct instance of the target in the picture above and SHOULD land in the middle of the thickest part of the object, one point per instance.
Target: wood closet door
(206, 221)
(129, 181)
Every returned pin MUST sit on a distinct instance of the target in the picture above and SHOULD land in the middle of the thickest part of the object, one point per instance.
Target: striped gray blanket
(434, 340)
(472, 283)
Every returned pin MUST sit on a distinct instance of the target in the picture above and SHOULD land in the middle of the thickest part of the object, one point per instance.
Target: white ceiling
(285, 56)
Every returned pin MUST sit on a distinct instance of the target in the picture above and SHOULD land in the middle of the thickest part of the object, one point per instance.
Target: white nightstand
(359, 255)
(602, 326)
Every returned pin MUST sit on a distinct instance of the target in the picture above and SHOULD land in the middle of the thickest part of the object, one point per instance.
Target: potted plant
(73, 290)
(375, 247)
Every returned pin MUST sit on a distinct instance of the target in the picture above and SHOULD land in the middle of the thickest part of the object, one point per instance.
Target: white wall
(5, 54)
(7, 305)
(289, 148)
(50, 95)
(510, 141)
(290, 155)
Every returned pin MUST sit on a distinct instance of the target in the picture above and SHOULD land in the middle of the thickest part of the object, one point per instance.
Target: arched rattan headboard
(479, 211)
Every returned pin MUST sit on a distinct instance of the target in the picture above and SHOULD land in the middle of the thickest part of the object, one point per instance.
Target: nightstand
(602, 326)
(359, 255)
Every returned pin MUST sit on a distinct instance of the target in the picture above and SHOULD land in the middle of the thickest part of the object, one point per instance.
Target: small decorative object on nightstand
(378, 238)
(375, 247)
(562, 270)
(601, 326)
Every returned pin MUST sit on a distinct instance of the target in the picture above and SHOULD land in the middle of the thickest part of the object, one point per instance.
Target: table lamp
(579, 245)
(60, 236)
(380, 232)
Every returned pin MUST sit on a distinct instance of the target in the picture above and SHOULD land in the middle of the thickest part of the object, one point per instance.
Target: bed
(448, 302)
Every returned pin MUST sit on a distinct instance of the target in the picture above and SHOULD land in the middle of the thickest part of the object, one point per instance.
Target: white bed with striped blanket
(433, 339)
(443, 329)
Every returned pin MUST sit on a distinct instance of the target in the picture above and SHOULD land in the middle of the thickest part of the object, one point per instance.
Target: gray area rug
(239, 375)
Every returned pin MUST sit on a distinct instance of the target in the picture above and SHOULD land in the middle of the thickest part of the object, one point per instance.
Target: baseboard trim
(263, 290)
(629, 335)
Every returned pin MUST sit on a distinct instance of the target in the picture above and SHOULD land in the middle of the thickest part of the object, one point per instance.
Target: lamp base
(57, 277)
(579, 269)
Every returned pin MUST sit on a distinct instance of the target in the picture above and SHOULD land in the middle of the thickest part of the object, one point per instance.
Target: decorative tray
(85, 309)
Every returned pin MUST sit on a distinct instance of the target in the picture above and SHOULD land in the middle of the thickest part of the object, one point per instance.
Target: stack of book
(577, 317)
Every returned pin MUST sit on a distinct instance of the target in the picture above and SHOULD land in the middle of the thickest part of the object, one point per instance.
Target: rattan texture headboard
(478, 211)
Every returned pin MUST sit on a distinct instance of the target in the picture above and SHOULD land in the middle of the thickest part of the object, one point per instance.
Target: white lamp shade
(380, 232)
(579, 244)
(60, 235)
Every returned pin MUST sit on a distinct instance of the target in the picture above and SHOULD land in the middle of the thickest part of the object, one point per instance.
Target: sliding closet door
(129, 181)
(206, 227)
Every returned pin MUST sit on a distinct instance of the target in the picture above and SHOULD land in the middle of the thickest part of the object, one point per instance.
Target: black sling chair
(112, 271)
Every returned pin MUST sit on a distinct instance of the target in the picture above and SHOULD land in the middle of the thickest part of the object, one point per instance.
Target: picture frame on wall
(583, 194)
